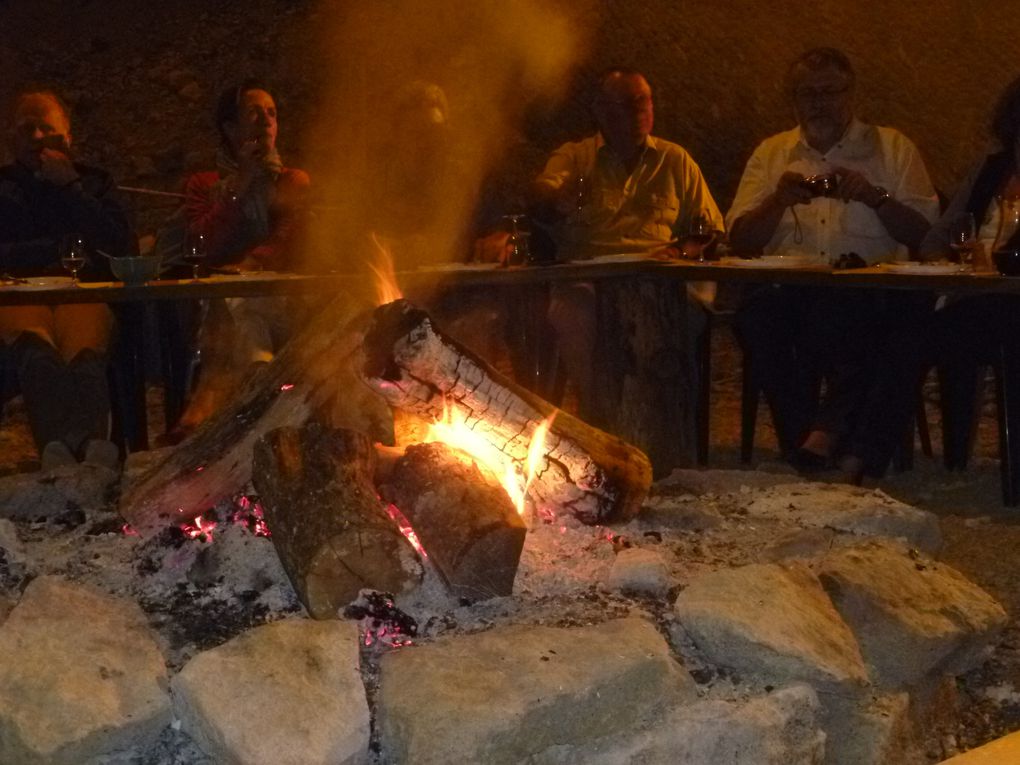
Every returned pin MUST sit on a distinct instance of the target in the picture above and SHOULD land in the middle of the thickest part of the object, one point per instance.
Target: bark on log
(328, 525)
(585, 471)
(315, 372)
(463, 518)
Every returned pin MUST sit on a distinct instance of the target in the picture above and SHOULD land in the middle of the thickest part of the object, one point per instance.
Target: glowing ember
(405, 528)
(453, 429)
(287, 386)
(381, 623)
(128, 531)
(249, 514)
(386, 288)
(200, 529)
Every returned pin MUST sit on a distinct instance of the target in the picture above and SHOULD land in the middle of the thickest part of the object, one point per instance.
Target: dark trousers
(795, 337)
(66, 401)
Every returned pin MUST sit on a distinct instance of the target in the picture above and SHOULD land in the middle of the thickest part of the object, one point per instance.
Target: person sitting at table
(965, 334)
(59, 351)
(877, 202)
(250, 212)
(621, 190)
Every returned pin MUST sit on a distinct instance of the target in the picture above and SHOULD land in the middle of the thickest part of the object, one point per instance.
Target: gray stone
(287, 693)
(803, 543)
(912, 616)
(510, 693)
(14, 563)
(772, 621)
(851, 509)
(638, 571)
(875, 730)
(672, 512)
(719, 482)
(81, 677)
(777, 729)
(48, 494)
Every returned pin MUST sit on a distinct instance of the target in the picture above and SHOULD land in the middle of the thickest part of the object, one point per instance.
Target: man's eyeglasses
(819, 94)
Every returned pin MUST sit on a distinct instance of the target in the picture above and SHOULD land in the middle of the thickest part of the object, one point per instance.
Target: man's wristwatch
(883, 197)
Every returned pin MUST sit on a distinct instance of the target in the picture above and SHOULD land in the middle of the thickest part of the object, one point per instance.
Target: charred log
(328, 525)
(315, 373)
(463, 518)
(585, 471)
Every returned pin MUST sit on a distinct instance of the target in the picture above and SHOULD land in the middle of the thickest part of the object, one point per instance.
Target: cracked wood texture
(584, 471)
(463, 518)
(328, 525)
(314, 374)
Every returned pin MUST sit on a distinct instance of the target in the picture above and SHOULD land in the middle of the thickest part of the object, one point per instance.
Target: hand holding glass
(701, 233)
(72, 255)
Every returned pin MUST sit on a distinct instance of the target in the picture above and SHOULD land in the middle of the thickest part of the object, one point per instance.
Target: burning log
(330, 529)
(582, 470)
(462, 516)
(313, 373)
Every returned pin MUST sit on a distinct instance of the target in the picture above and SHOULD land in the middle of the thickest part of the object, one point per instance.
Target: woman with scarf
(250, 214)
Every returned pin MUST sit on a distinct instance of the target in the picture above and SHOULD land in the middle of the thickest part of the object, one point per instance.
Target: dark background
(142, 76)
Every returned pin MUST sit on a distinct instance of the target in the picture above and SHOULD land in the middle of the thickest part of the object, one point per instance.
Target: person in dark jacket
(58, 350)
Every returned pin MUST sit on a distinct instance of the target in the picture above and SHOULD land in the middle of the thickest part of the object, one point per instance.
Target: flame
(386, 288)
(452, 428)
(405, 528)
(201, 529)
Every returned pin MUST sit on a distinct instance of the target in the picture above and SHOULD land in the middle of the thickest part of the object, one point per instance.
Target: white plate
(40, 283)
(773, 261)
(913, 267)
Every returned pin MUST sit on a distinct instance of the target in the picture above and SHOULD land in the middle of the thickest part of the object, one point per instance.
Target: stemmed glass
(701, 232)
(72, 255)
(518, 241)
(195, 253)
(963, 238)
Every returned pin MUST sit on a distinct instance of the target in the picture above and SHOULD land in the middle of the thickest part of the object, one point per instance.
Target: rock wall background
(142, 76)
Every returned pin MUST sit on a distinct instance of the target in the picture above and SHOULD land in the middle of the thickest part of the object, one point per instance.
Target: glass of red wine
(701, 233)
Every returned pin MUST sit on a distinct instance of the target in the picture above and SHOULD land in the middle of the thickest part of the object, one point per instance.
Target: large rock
(639, 571)
(850, 509)
(42, 495)
(870, 731)
(287, 693)
(778, 729)
(912, 616)
(719, 482)
(773, 621)
(81, 676)
(507, 694)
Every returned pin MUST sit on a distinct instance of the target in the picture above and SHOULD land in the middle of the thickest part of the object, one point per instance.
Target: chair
(750, 395)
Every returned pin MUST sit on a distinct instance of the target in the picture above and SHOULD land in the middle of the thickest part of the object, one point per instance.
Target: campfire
(382, 446)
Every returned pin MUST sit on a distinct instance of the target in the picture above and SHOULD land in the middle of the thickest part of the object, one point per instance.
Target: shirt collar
(651, 143)
(854, 134)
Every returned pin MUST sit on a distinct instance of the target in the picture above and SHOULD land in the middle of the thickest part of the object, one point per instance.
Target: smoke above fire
(422, 98)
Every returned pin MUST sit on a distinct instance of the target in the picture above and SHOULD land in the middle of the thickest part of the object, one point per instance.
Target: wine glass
(72, 255)
(963, 238)
(518, 241)
(195, 253)
(701, 233)
(581, 192)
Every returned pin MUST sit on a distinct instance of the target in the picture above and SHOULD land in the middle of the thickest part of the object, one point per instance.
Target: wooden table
(642, 319)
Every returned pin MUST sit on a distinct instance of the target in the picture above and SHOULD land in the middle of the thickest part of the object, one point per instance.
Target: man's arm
(91, 205)
(903, 223)
(752, 230)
